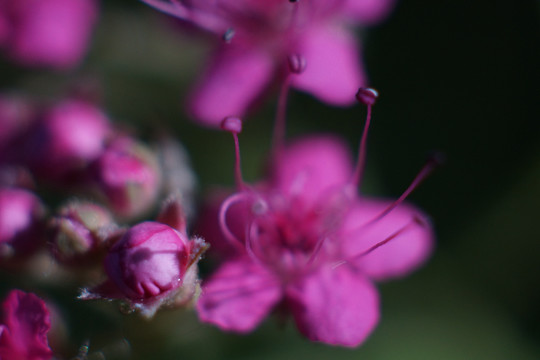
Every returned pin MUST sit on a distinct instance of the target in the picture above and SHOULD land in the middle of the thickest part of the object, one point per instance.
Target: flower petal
(235, 78)
(312, 166)
(368, 11)
(53, 32)
(408, 230)
(337, 306)
(27, 322)
(238, 296)
(333, 67)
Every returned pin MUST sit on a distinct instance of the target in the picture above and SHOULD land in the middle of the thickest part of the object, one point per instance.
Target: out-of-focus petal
(235, 78)
(27, 322)
(238, 296)
(337, 306)
(53, 32)
(367, 11)
(334, 70)
(312, 166)
(410, 233)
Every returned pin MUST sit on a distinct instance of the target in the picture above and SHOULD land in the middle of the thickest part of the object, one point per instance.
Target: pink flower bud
(47, 33)
(81, 231)
(149, 261)
(127, 175)
(23, 328)
(70, 136)
(21, 222)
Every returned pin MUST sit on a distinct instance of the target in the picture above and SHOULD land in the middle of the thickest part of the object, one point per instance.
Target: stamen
(296, 65)
(403, 229)
(432, 162)
(229, 236)
(250, 234)
(234, 126)
(366, 96)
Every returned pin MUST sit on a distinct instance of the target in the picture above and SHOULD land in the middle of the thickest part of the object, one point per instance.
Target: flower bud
(81, 231)
(149, 261)
(127, 176)
(21, 222)
(70, 136)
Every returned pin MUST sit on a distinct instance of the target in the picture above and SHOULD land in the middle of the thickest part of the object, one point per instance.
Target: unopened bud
(81, 231)
(128, 177)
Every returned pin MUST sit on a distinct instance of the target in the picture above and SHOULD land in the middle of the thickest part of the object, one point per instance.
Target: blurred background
(460, 77)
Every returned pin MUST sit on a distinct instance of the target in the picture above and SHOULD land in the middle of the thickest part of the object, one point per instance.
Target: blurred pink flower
(305, 243)
(51, 33)
(259, 36)
(23, 328)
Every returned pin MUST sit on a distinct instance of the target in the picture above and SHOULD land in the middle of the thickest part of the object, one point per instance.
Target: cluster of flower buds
(73, 145)
(72, 148)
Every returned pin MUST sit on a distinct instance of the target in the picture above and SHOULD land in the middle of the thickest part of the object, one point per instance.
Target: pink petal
(411, 239)
(368, 11)
(238, 296)
(313, 166)
(27, 322)
(54, 32)
(334, 69)
(235, 78)
(337, 306)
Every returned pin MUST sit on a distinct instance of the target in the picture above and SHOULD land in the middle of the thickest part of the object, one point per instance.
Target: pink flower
(51, 33)
(259, 36)
(306, 243)
(23, 328)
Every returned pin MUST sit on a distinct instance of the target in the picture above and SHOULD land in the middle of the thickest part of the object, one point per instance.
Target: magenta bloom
(306, 243)
(51, 33)
(259, 36)
(23, 328)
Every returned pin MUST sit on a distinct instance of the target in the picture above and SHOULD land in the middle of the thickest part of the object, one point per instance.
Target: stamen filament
(406, 227)
(430, 165)
(280, 121)
(231, 200)
(361, 162)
